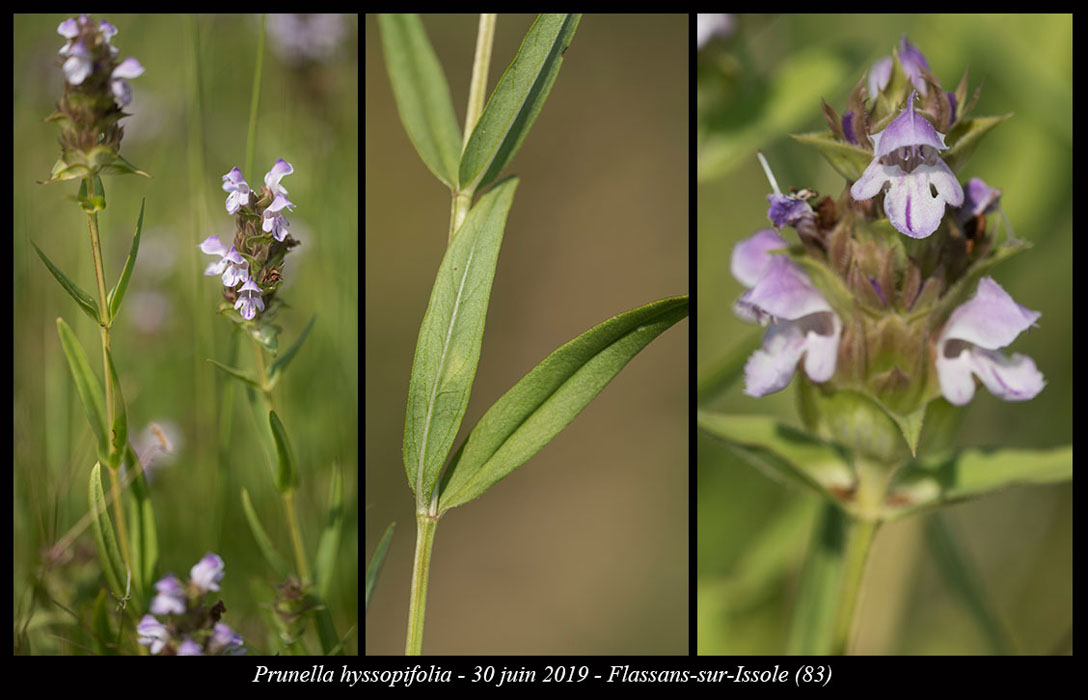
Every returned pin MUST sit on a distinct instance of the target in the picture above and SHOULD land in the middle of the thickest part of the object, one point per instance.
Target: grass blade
(264, 544)
(448, 348)
(118, 291)
(329, 542)
(549, 397)
(376, 561)
(86, 303)
(517, 100)
(422, 95)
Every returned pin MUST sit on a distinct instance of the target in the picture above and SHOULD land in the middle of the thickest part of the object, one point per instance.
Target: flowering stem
(104, 330)
(426, 525)
(485, 37)
(859, 540)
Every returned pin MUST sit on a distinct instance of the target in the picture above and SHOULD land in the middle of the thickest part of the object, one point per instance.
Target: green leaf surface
(266, 334)
(86, 303)
(812, 626)
(143, 535)
(238, 374)
(965, 136)
(117, 294)
(971, 473)
(87, 385)
(448, 348)
(850, 161)
(120, 166)
(105, 539)
(277, 367)
(119, 430)
(422, 95)
(376, 561)
(517, 100)
(781, 452)
(287, 474)
(264, 544)
(329, 542)
(550, 396)
(105, 643)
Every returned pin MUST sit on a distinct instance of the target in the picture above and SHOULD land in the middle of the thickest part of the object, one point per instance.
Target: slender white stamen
(1008, 226)
(767, 170)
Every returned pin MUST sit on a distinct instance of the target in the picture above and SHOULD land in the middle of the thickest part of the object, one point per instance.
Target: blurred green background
(583, 550)
(755, 88)
(189, 125)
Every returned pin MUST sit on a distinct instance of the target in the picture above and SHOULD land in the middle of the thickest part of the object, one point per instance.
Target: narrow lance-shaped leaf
(422, 94)
(941, 480)
(329, 543)
(376, 561)
(517, 100)
(448, 348)
(236, 373)
(108, 553)
(86, 303)
(287, 475)
(144, 537)
(90, 391)
(117, 294)
(781, 452)
(105, 643)
(119, 430)
(264, 544)
(276, 368)
(550, 396)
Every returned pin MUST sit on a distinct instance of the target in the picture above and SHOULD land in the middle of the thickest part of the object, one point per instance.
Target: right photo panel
(883, 383)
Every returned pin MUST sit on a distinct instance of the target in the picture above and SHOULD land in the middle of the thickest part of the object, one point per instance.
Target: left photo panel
(526, 246)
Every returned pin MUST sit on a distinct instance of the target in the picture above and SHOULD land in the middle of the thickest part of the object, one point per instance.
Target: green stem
(104, 332)
(421, 567)
(485, 38)
(859, 540)
(296, 536)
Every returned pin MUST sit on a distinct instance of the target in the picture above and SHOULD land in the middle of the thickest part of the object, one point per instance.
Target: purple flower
(249, 300)
(272, 178)
(905, 158)
(913, 63)
(152, 633)
(207, 572)
(979, 199)
(231, 264)
(787, 210)
(122, 92)
(801, 321)
(879, 75)
(274, 222)
(968, 345)
(190, 648)
(78, 64)
(108, 32)
(171, 597)
(234, 183)
(225, 641)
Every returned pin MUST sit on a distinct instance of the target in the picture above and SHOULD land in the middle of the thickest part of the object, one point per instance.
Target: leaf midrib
(438, 375)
